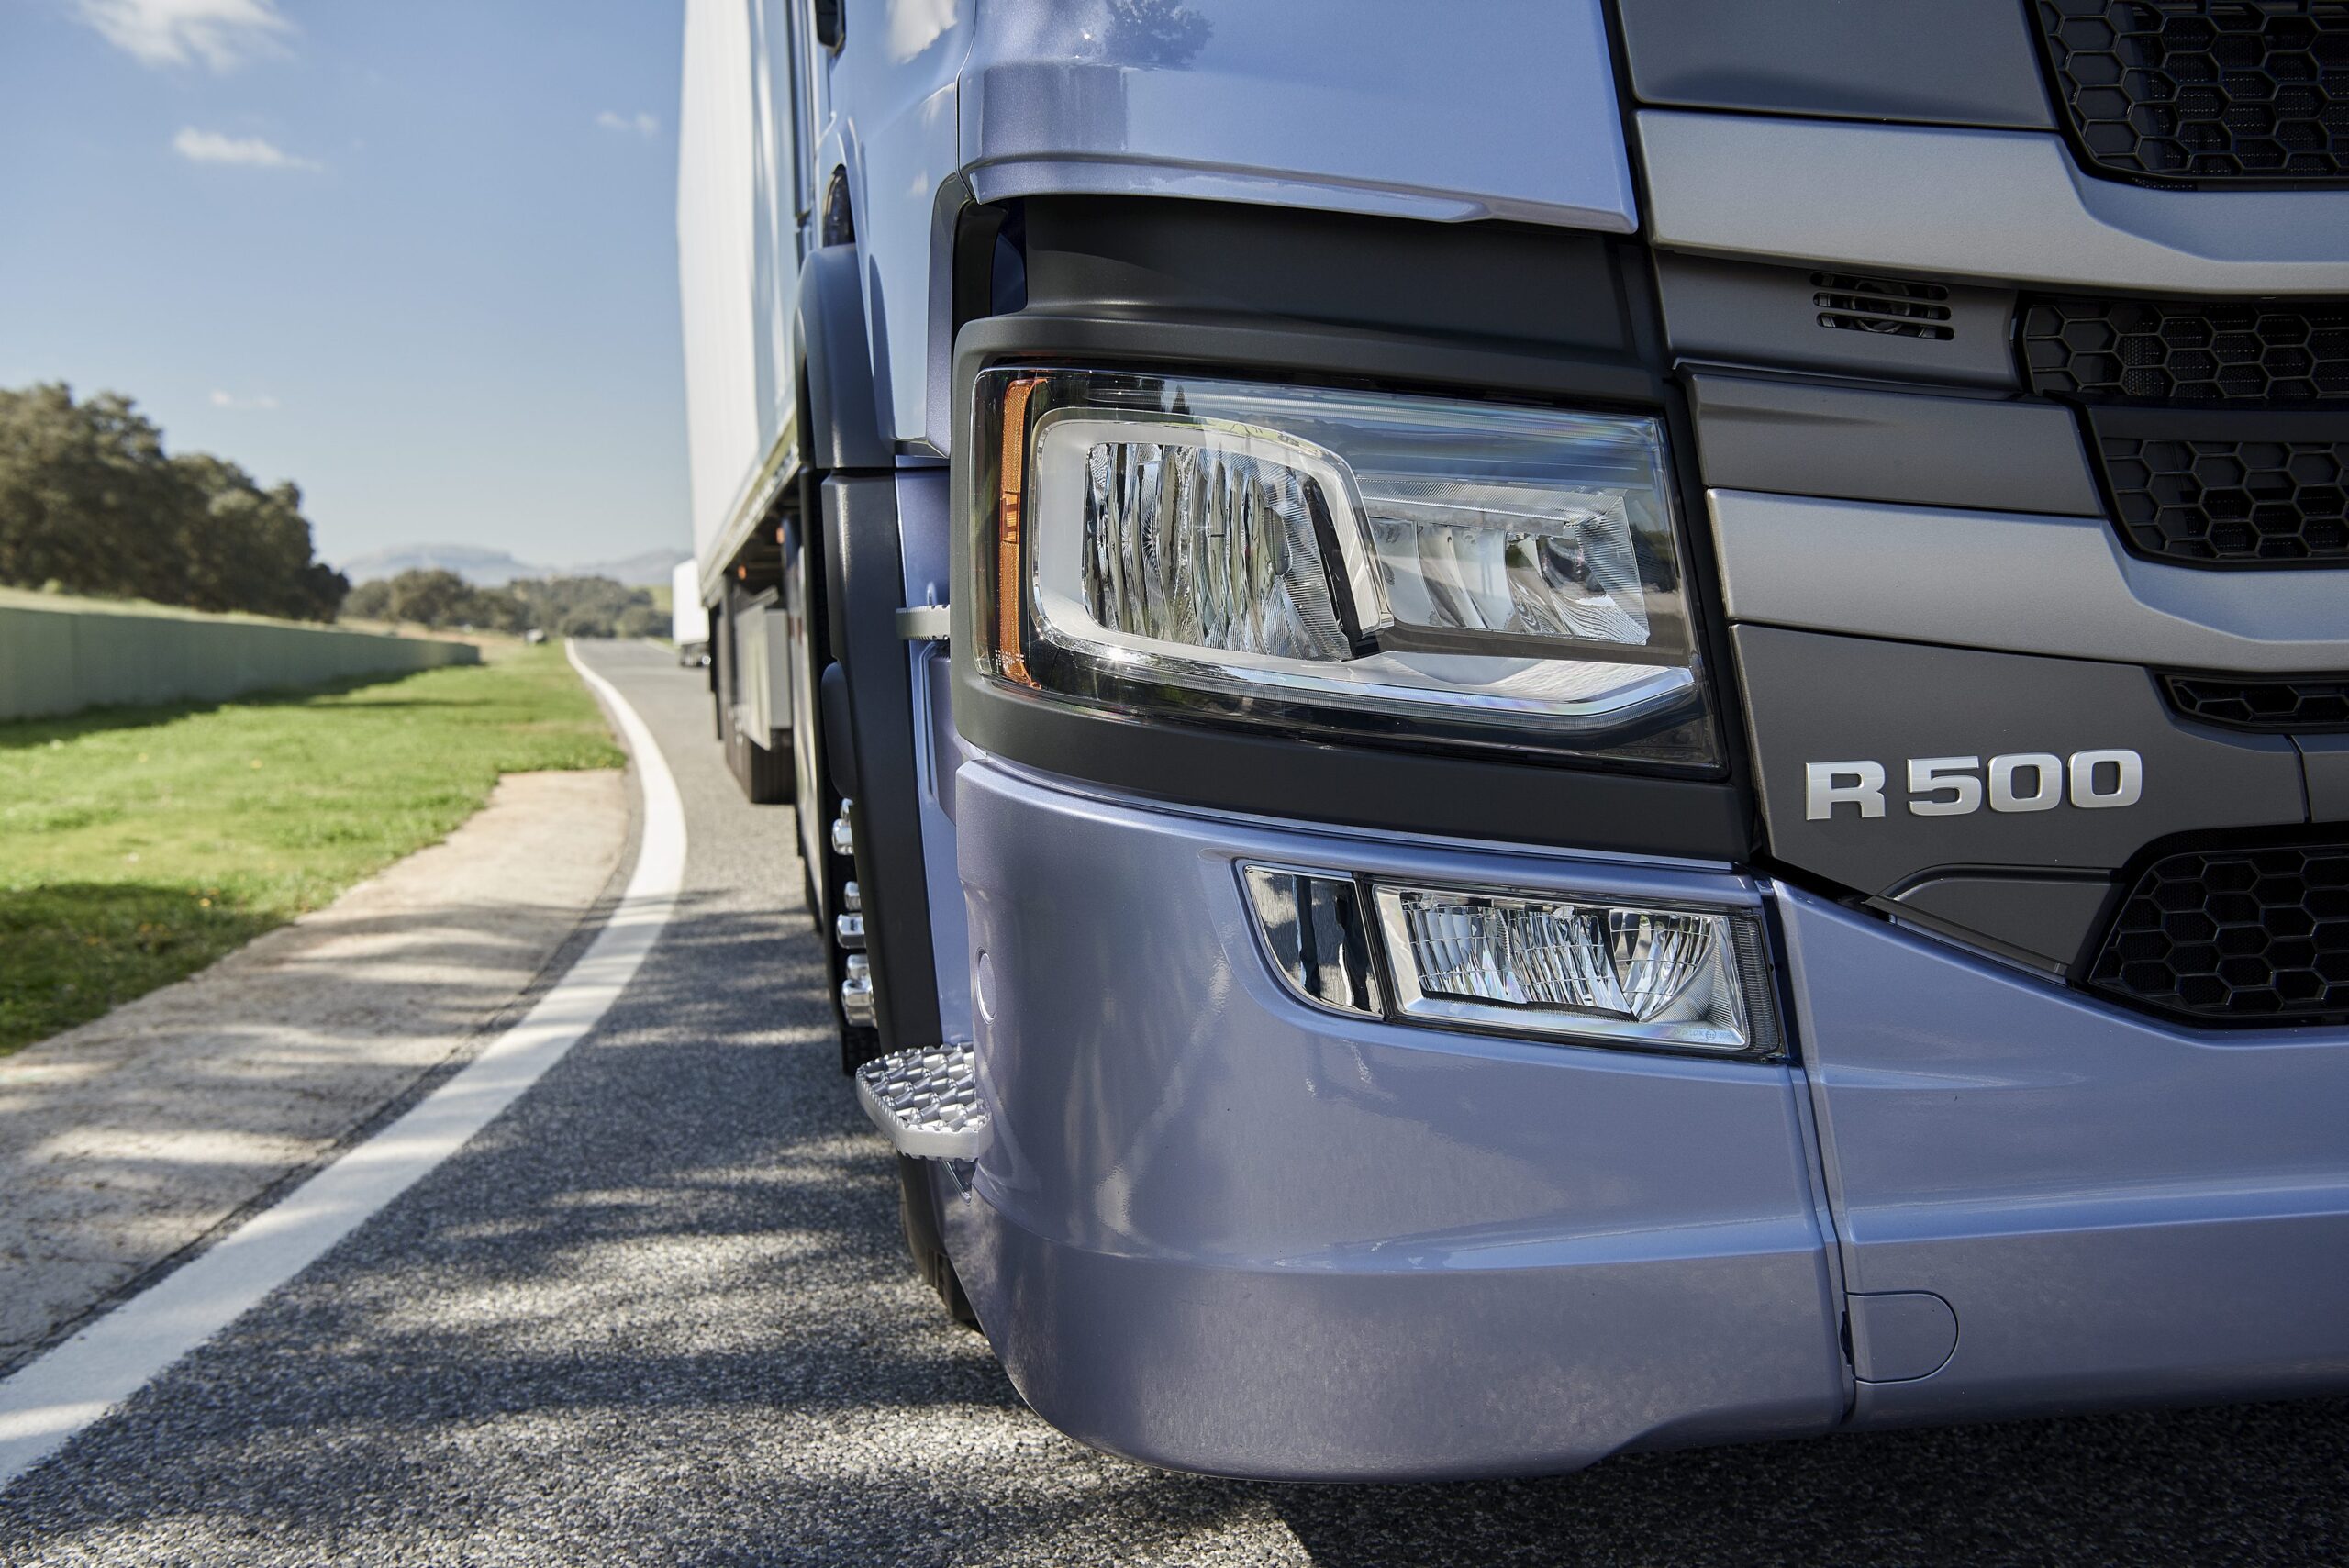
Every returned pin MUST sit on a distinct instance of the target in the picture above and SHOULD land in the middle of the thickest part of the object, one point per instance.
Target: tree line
(560, 606)
(91, 503)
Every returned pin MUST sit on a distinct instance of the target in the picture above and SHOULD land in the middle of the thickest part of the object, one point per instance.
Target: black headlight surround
(1475, 311)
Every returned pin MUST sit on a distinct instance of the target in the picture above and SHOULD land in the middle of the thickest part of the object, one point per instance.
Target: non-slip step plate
(925, 1101)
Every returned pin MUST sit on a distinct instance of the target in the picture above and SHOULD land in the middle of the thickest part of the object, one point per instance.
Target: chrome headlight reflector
(1363, 562)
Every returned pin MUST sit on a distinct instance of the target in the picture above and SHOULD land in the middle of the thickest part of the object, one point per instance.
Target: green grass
(137, 845)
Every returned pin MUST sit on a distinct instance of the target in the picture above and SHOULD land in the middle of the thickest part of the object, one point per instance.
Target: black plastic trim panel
(1748, 314)
(865, 586)
(841, 419)
(1809, 438)
(1956, 62)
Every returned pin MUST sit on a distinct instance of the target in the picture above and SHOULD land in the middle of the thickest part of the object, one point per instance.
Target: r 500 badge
(1955, 787)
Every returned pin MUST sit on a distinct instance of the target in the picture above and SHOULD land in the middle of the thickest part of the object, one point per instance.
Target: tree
(561, 607)
(90, 500)
(369, 601)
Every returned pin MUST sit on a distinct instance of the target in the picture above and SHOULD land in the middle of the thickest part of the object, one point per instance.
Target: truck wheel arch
(850, 533)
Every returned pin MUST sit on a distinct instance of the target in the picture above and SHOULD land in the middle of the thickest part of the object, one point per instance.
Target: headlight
(1349, 562)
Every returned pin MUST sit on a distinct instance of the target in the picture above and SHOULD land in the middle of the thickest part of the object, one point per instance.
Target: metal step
(925, 1100)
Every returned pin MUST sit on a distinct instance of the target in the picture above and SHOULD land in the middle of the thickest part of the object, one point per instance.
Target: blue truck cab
(1537, 729)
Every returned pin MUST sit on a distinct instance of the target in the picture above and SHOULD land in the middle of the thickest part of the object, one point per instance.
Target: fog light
(1615, 974)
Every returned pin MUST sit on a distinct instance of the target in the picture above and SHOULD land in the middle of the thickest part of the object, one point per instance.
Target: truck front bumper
(1218, 1229)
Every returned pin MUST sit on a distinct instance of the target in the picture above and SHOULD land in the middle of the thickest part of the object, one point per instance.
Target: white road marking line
(45, 1402)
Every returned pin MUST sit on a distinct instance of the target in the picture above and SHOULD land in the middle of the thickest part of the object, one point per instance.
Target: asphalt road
(657, 1314)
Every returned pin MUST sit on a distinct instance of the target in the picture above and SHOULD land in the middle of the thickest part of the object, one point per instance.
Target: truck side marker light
(1011, 656)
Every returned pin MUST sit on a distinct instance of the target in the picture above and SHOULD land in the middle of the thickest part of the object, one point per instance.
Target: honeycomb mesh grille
(2241, 502)
(2148, 351)
(2235, 935)
(2300, 704)
(2206, 92)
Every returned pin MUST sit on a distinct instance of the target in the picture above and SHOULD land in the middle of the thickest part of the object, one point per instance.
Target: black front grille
(2296, 705)
(2180, 351)
(2186, 489)
(2235, 936)
(2204, 92)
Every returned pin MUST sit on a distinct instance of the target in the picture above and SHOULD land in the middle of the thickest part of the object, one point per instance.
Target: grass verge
(137, 845)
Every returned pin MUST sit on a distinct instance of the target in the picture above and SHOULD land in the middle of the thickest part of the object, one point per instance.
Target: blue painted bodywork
(1308, 103)
(2119, 1210)
(1220, 1231)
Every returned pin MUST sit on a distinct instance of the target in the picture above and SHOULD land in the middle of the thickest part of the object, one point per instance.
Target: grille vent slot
(2295, 704)
(1883, 306)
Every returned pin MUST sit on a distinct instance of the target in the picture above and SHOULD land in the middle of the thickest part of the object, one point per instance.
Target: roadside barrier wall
(61, 660)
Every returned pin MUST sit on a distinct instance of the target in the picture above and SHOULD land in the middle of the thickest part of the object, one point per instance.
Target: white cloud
(212, 147)
(643, 124)
(221, 33)
(263, 401)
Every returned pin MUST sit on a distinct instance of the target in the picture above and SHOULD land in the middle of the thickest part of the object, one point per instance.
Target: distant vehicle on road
(1540, 728)
(688, 617)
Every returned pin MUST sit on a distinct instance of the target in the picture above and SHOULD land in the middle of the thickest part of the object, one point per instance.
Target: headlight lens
(1477, 573)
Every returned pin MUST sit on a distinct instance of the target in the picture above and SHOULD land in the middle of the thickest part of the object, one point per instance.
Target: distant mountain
(495, 568)
(646, 569)
(482, 568)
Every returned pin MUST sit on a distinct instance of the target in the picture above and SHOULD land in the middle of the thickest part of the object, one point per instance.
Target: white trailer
(740, 194)
(688, 617)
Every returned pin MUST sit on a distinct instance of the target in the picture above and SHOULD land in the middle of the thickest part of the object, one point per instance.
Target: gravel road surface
(657, 1314)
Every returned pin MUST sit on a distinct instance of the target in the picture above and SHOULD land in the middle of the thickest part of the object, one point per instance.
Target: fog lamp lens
(1686, 978)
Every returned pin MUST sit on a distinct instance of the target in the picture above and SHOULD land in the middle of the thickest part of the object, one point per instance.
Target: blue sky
(417, 256)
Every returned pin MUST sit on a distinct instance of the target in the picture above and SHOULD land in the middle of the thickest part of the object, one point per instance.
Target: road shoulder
(129, 1140)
